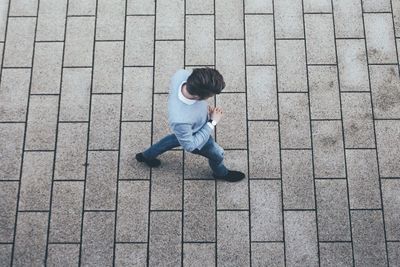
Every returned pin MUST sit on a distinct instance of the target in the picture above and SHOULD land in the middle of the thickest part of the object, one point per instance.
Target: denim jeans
(211, 150)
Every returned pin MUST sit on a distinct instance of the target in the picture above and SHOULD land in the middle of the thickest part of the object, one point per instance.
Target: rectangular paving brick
(75, 94)
(46, 75)
(11, 145)
(393, 253)
(5, 254)
(66, 212)
(42, 122)
(1, 54)
(199, 211)
(8, 207)
(62, 254)
(139, 42)
(388, 150)
(260, 47)
(36, 181)
(196, 167)
(333, 210)
(3, 18)
(101, 180)
(198, 254)
(130, 254)
(294, 120)
(336, 254)
(348, 18)
(79, 41)
(98, 238)
(267, 254)
(140, 7)
(291, 66)
(110, 20)
(229, 62)
(391, 205)
(132, 211)
(396, 17)
(328, 149)
(320, 39)
(266, 210)
(160, 118)
(233, 238)
(23, 8)
(377, 6)
(196, 7)
(105, 120)
(165, 238)
(231, 130)
(20, 31)
(368, 238)
(289, 19)
(135, 138)
(264, 148)
(353, 68)
(200, 45)
(316, 6)
(107, 73)
(297, 179)
(170, 19)
(380, 38)
(82, 7)
(229, 19)
(363, 179)
(357, 120)
(255, 6)
(51, 20)
(30, 239)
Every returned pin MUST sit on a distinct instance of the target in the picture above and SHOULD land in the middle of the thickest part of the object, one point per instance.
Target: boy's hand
(215, 114)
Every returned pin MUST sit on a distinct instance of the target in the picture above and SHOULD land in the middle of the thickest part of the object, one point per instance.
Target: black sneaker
(149, 162)
(232, 176)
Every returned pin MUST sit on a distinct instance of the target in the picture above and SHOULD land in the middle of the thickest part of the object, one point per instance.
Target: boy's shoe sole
(232, 176)
(149, 162)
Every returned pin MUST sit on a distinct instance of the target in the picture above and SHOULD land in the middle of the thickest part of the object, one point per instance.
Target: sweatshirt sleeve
(189, 140)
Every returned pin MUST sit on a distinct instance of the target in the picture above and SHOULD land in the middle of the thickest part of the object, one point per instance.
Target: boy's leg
(165, 144)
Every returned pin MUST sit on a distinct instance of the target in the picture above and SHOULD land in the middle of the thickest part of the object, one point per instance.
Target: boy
(192, 121)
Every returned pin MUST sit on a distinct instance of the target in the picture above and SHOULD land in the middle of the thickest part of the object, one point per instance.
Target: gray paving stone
(165, 238)
(380, 38)
(19, 44)
(229, 19)
(267, 254)
(63, 255)
(23, 8)
(261, 93)
(105, 120)
(5, 254)
(266, 211)
(36, 181)
(8, 207)
(316, 6)
(107, 73)
(260, 47)
(30, 240)
(130, 254)
(391, 205)
(47, 64)
(264, 159)
(385, 88)
(368, 238)
(328, 149)
(200, 45)
(140, 7)
(324, 92)
(79, 41)
(199, 7)
(394, 253)
(297, 178)
(289, 19)
(348, 19)
(233, 238)
(110, 20)
(231, 130)
(352, 62)
(97, 239)
(82, 7)
(160, 118)
(170, 19)
(135, 138)
(75, 94)
(291, 66)
(396, 17)
(101, 180)
(336, 254)
(388, 151)
(198, 254)
(320, 39)
(377, 6)
(3, 18)
(256, 6)
(363, 179)
(11, 145)
(169, 58)
(42, 122)
(196, 167)
(1, 54)
(199, 212)
(139, 42)
(51, 20)
(230, 58)
(132, 211)
(66, 212)
(166, 186)
(333, 210)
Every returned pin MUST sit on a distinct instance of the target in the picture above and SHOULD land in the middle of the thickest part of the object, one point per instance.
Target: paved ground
(312, 116)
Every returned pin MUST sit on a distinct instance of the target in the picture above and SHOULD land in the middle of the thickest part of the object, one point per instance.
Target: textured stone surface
(388, 151)
(139, 42)
(260, 39)
(348, 18)
(267, 254)
(170, 19)
(130, 254)
(8, 200)
(110, 20)
(335, 254)
(198, 254)
(200, 44)
(289, 19)
(63, 255)
(391, 204)
(51, 20)
(229, 19)
(11, 144)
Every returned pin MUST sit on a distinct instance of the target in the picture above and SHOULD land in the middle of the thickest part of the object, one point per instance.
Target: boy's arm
(188, 140)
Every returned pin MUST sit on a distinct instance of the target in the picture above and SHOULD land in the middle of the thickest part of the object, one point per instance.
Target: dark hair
(205, 82)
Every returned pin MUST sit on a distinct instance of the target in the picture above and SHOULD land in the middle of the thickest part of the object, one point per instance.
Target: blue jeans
(211, 150)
